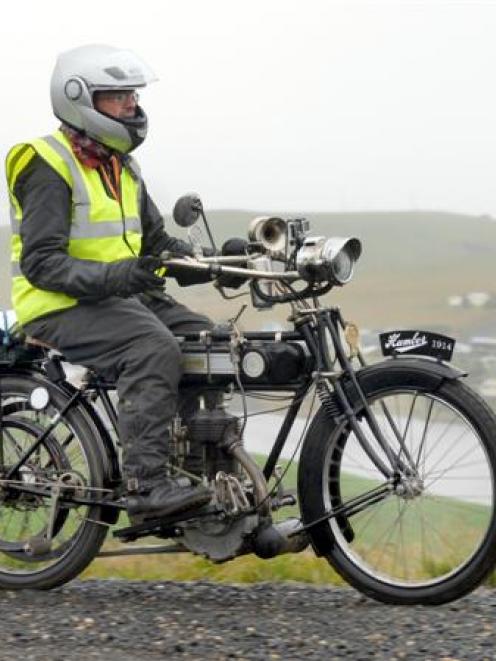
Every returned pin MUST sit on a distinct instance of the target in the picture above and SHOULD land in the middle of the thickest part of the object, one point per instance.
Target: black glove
(174, 246)
(233, 246)
(133, 276)
(186, 277)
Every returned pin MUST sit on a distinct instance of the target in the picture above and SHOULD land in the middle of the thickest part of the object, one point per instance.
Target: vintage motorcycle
(396, 468)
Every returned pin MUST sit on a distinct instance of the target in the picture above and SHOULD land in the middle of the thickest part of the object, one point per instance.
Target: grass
(443, 549)
(446, 514)
(302, 567)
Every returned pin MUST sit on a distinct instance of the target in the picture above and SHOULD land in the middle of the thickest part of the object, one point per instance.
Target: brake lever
(222, 292)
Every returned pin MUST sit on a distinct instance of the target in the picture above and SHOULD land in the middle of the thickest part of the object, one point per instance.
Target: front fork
(336, 402)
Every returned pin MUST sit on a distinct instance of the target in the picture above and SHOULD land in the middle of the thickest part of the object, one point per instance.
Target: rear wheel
(67, 457)
(424, 538)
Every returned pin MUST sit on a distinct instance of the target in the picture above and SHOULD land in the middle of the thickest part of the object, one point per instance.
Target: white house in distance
(474, 299)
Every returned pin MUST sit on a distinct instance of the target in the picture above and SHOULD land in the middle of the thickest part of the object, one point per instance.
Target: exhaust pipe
(260, 488)
(273, 539)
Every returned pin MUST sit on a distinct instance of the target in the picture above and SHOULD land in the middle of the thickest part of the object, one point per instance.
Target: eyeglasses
(118, 97)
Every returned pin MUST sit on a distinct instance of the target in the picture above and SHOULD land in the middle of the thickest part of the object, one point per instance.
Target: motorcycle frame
(310, 327)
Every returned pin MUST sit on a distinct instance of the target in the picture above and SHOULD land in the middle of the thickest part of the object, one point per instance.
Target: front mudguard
(424, 373)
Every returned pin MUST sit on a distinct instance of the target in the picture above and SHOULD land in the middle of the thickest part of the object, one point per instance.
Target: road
(125, 621)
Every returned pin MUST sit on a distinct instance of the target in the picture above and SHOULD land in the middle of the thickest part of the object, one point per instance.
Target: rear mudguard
(102, 437)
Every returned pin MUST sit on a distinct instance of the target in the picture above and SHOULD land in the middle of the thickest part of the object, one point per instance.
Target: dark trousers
(132, 342)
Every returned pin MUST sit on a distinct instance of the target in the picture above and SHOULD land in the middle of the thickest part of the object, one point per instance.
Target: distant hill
(411, 263)
(404, 241)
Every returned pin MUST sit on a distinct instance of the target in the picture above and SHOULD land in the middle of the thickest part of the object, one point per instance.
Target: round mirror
(187, 210)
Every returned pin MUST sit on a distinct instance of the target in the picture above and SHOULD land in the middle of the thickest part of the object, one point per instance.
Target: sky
(284, 104)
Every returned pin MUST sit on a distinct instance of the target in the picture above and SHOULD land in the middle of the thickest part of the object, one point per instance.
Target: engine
(240, 523)
(210, 432)
(208, 447)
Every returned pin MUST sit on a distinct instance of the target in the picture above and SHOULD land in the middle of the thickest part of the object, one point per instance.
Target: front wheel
(424, 537)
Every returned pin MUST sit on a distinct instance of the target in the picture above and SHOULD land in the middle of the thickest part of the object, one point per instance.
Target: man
(86, 236)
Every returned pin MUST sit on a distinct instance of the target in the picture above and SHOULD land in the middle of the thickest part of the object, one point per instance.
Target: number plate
(417, 342)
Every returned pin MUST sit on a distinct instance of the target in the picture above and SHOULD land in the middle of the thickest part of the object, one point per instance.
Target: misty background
(280, 104)
(373, 119)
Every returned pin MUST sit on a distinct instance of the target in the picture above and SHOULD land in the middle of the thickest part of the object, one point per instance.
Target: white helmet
(81, 72)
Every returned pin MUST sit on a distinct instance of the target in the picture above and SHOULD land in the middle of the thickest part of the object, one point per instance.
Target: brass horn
(269, 231)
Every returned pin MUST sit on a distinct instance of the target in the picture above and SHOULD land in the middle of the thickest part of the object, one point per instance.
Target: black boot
(166, 498)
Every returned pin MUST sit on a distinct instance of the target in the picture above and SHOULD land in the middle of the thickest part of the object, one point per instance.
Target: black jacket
(45, 199)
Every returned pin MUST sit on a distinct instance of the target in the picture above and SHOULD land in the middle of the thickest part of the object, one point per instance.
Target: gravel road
(125, 621)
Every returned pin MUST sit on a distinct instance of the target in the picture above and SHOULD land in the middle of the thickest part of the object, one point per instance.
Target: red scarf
(90, 153)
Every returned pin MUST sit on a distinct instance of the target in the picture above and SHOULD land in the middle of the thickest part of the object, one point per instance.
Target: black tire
(441, 539)
(71, 447)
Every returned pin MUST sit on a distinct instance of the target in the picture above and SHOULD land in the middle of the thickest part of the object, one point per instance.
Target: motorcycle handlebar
(226, 259)
(214, 266)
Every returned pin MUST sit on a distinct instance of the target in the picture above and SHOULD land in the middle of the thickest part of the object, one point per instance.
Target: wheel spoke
(445, 470)
(375, 511)
(395, 523)
(424, 433)
(436, 443)
(407, 426)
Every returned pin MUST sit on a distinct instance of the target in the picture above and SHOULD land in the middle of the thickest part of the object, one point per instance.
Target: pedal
(151, 527)
(163, 526)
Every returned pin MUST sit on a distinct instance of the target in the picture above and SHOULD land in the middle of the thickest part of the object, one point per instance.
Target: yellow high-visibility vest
(96, 219)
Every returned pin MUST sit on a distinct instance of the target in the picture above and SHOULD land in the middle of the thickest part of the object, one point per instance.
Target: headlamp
(328, 260)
